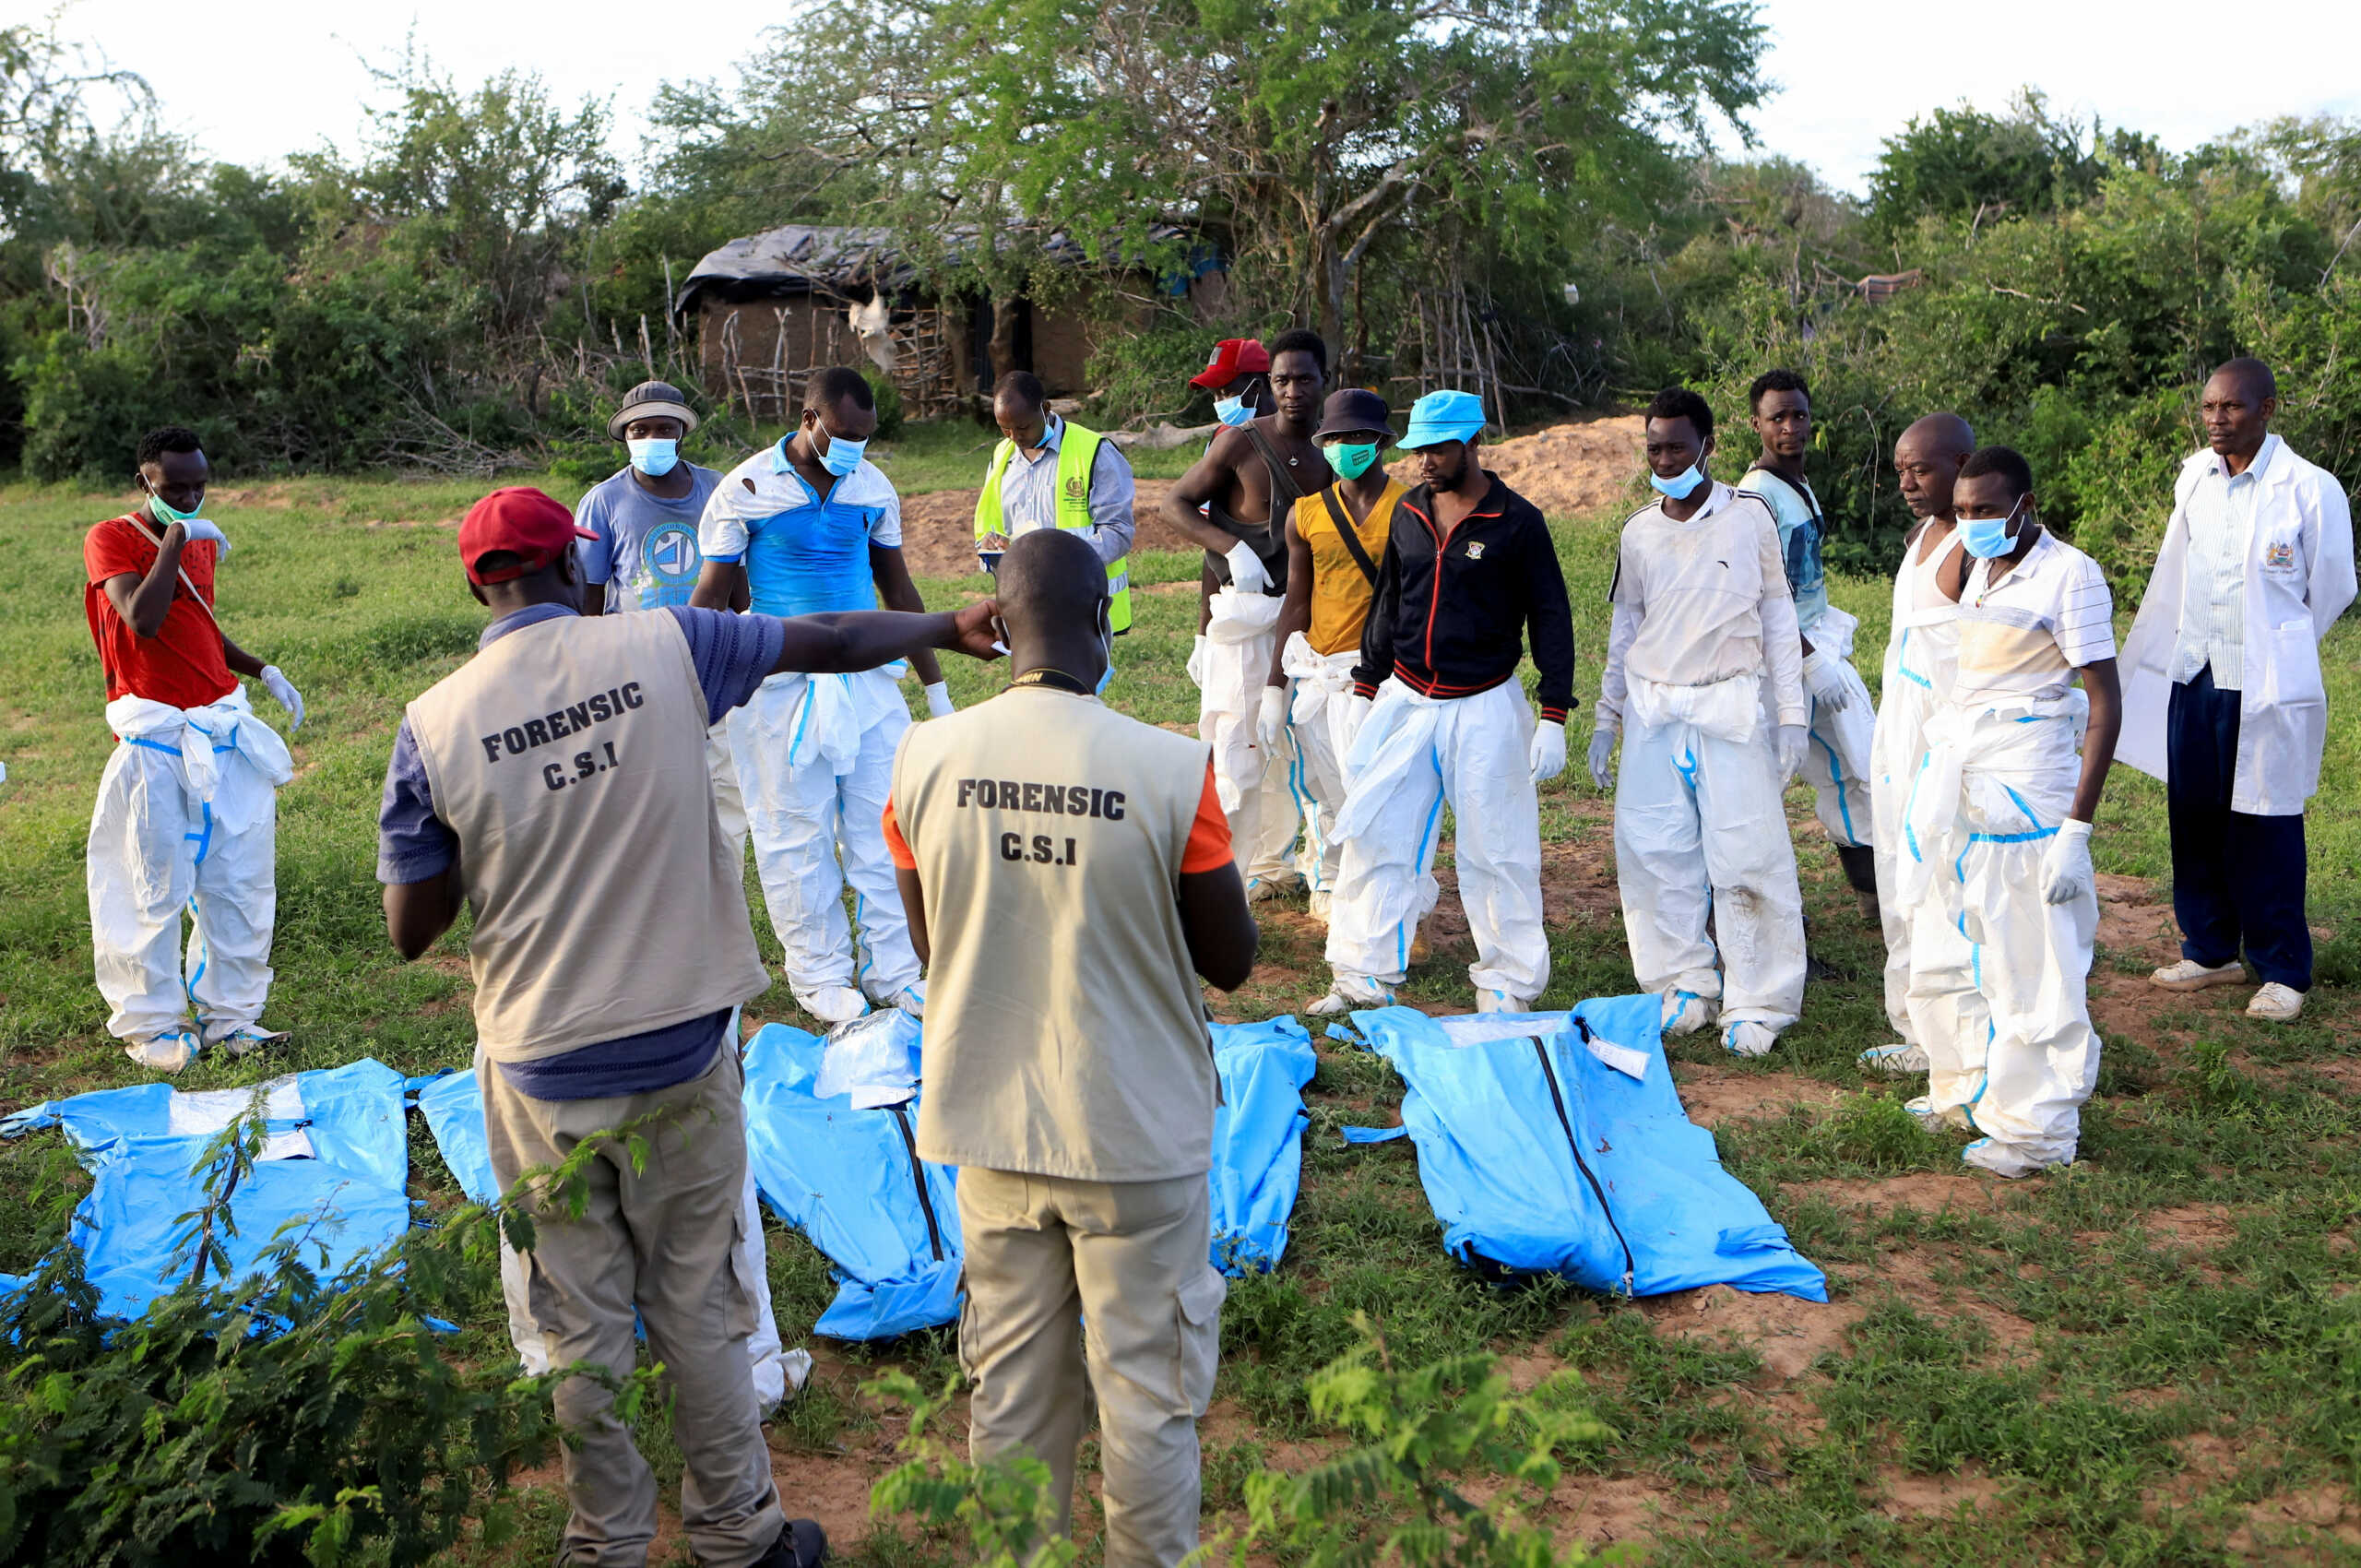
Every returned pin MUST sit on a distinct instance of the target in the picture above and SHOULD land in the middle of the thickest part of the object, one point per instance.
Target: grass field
(2154, 1357)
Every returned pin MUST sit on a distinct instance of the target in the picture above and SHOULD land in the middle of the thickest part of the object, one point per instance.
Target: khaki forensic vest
(1341, 592)
(1065, 1031)
(1077, 454)
(569, 759)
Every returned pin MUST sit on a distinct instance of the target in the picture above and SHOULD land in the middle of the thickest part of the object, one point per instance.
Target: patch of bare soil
(1608, 1511)
(939, 528)
(1786, 1333)
(2135, 923)
(2197, 1226)
(1909, 1496)
(2296, 1526)
(1919, 1277)
(1713, 1094)
(1925, 1191)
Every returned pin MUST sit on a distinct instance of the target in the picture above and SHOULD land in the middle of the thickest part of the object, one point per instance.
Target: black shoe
(1860, 863)
(803, 1544)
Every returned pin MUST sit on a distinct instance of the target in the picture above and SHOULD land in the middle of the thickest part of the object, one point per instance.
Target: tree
(1300, 133)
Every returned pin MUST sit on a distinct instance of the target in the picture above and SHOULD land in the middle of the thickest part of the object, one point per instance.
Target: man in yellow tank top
(1335, 539)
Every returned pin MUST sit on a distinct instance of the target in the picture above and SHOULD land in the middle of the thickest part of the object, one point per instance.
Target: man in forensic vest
(1085, 866)
(1048, 472)
(556, 783)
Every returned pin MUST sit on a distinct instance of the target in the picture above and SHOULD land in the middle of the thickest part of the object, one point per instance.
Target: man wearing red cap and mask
(556, 783)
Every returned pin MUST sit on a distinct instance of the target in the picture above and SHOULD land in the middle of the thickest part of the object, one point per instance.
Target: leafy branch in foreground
(1427, 1438)
(279, 1416)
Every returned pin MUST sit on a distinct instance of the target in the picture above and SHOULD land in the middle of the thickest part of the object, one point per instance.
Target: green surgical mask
(1351, 461)
(166, 516)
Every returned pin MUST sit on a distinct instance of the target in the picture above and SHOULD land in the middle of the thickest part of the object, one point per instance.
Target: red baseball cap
(522, 520)
(1233, 357)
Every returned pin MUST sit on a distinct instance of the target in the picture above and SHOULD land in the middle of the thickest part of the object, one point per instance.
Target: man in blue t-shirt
(1838, 753)
(805, 526)
(642, 552)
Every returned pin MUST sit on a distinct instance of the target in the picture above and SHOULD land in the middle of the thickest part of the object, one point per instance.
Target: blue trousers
(2237, 879)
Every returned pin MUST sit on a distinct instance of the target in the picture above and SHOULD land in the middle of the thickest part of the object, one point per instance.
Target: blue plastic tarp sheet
(847, 1177)
(334, 1168)
(1542, 1153)
(453, 1106)
(1258, 1140)
(850, 1179)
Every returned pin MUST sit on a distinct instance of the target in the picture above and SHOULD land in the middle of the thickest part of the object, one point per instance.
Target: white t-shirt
(2023, 636)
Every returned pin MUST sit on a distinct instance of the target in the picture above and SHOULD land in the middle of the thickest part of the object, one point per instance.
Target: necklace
(1056, 680)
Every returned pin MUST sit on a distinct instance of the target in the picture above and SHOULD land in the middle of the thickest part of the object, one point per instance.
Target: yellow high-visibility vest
(1077, 451)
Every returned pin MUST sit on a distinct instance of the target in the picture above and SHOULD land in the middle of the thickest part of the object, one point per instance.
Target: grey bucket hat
(653, 397)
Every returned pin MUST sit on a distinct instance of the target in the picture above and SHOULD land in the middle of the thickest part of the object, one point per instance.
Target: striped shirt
(2023, 636)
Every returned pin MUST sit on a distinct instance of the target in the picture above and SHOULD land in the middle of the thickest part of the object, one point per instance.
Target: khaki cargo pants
(1083, 1287)
(662, 1241)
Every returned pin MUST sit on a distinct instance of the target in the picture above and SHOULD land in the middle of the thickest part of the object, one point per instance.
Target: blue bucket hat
(1444, 416)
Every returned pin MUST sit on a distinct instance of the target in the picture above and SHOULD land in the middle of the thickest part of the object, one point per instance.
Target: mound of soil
(1566, 469)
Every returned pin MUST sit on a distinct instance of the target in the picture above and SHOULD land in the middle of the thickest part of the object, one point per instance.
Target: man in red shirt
(187, 812)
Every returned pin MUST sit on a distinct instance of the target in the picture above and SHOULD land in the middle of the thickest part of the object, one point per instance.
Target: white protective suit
(1999, 1001)
(815, 761)
(1252, 784)
(186, 819)
(1840, 752)
(1921, 657)
(729, 800)
(1701, 661)
(1412, 754)
(1321, 727)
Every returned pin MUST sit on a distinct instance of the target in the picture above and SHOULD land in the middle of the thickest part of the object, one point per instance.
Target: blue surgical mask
(1233, 411)
(654, 456)
(842, 457)
(1986, 537)
(1679, 484)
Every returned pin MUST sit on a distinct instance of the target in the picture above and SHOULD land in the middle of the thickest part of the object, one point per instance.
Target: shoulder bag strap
(1351, 535)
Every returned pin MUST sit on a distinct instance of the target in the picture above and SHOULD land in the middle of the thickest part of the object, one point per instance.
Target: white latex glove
(1790, 741)
(1357, 708)
(1602, 758)
(1270, 719)
(1197, 662)
(280, 687)
(206, 528)
(2066, 872)
(1825, 678)
(1246, 572)
(1547, 755)
(938, 698)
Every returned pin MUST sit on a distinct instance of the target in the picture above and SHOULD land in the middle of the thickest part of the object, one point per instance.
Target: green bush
(281, 1417)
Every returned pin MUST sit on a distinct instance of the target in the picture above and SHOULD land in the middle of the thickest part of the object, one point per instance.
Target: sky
(256, 80)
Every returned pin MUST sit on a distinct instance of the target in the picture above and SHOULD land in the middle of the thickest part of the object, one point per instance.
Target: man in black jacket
(1469, 574)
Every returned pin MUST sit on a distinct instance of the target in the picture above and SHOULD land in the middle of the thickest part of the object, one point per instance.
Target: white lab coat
(2299, 580)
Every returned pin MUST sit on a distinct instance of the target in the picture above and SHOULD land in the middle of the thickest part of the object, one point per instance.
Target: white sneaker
(831, 1004)
(244, 1038)
(1747, 1038)
(1347, 995)
(1934, 1120)
(1900, 1058)
(2191, 975)
(1685, 1011)
(1321, 901)
(167, 1053)
(2279, 1004)
(1490, 1001)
